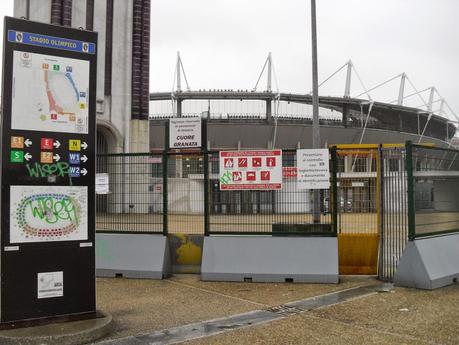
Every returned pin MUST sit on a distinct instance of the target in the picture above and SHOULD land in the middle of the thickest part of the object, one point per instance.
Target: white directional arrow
(56, 144)
(27, 142)
(84, 171)
(27, 156)
(57, 157)
(84, 158)
(84, 145)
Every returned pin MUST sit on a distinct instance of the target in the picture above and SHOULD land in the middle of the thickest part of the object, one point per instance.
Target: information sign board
(313, 169)
(251, 170)
(184, 133)
(47, 171)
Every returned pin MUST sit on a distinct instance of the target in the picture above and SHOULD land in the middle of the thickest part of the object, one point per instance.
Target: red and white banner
(251, 170)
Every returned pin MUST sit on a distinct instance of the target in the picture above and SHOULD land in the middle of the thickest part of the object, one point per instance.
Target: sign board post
(47, 171)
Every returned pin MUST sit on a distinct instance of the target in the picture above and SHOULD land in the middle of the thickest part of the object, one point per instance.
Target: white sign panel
(50, 93)
(313, 169)
(50, 284)
(48, 213)
(102, 183)
(251, 170)
(184, 133)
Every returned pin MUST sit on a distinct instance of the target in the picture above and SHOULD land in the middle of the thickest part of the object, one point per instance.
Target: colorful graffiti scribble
(51, 216)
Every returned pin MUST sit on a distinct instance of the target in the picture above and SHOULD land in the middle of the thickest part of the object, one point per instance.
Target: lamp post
(315, 105)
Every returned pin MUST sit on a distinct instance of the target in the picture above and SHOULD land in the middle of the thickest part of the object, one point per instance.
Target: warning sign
(251, 170)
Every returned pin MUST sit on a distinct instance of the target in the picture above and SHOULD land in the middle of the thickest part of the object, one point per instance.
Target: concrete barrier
(429, 263)
(270, 259)
(132, 256)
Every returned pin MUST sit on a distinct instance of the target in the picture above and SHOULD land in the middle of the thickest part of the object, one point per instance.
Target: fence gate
(394, 210)
(358, 209)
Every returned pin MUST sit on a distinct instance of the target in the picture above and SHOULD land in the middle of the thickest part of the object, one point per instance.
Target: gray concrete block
(270, 259)
(429, 263)
(132, 256)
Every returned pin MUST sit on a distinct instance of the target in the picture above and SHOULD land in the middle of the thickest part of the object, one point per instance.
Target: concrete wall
(40, 11)
(270, 259)
(139, 256)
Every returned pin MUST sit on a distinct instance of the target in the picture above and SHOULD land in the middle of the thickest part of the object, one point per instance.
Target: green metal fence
(401, 193)
(433, 189)
(135, 198)
(180, 193)
(272, 212)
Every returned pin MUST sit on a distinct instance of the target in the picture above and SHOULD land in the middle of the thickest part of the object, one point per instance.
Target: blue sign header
(51, 42)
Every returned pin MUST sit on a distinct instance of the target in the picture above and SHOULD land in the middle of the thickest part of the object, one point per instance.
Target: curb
(64, 333)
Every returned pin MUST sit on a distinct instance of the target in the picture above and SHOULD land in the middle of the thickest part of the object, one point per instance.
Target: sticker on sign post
(50, 284)
(251, 170)
(313, 169)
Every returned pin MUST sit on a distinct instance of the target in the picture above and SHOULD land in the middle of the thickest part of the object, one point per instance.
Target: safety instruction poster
(250, 170)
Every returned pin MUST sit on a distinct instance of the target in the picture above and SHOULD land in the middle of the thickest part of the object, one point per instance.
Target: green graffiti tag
(59, 169)
(48, 215)
(52, 210)
(226, 178)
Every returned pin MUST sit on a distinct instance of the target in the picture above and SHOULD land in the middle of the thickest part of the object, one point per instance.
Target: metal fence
(180, 193)
(134, 202)
(394, 194)
(433, 178)
(394, 210)
(357, 190)
(185, 193)
(279, 212)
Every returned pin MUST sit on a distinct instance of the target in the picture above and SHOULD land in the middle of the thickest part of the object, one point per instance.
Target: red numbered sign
(47, 143)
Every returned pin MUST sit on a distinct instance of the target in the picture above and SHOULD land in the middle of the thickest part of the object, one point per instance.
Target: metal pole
(205, 151)
(315, 105)
(268, 88)
(347, 89)
(401, 91)
(380, 201)
(410, 190)
(165, 180)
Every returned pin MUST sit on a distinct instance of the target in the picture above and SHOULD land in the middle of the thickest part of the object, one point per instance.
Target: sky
(224, 44)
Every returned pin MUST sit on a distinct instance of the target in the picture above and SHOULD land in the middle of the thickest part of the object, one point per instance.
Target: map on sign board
(48, 213)
(251, 170)
(50, 93)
